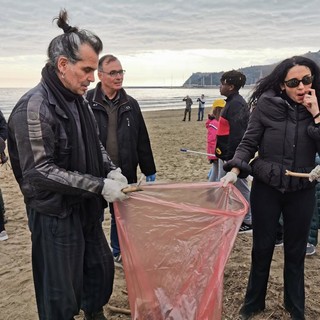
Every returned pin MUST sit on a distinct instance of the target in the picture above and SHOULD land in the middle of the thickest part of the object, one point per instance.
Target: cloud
(179, 25)
(210, 29)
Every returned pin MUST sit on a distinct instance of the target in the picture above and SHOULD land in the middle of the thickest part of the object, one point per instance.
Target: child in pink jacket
(212, 127)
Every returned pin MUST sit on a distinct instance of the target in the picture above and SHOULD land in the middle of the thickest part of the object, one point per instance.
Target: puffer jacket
(132, 135)
(286, 138)
(39, 148)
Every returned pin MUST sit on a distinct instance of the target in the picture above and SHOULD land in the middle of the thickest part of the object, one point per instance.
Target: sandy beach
(168, 134)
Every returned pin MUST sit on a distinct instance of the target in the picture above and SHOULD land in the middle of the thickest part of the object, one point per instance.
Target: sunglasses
(293, 83)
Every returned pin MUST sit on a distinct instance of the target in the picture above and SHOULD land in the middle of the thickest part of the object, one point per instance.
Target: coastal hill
(253, 73)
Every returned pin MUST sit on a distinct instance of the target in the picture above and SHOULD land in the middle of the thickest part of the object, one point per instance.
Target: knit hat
(218, 103)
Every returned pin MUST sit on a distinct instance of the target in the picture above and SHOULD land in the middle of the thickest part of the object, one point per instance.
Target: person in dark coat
(232, 126)
(60, 166)
(187, 110)
(284, 131)
(3, 159)
(122, 131)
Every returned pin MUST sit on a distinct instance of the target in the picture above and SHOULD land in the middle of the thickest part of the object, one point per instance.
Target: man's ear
(62, 64)
(99, 75)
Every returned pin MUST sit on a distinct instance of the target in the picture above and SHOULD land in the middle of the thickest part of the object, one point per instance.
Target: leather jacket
(40, 154)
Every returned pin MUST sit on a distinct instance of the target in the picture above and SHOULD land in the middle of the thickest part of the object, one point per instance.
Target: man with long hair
(61, 166)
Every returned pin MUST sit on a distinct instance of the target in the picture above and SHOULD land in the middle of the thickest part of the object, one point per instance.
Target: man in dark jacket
(3, 159)
(187, 110)
(60, 166)
(122, 131)
(232, 126)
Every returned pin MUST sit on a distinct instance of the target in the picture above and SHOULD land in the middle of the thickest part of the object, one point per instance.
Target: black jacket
(39, 148)
(286, 138)
(132, 135)
(232, 126)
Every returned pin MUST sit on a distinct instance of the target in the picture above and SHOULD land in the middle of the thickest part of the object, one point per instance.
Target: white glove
(112, 190)
(117, 175)
(230, 177)
(315, 174)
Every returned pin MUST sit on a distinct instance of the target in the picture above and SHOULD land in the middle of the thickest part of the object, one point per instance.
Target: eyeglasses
(293, 83)
(114, 73)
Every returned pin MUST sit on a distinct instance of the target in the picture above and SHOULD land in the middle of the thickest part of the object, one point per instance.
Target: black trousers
(72, 265)
(187, 111)
(267, 204)
(2, 212)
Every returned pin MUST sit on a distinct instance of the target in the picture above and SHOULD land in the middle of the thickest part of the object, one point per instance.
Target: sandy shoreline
(168, 134)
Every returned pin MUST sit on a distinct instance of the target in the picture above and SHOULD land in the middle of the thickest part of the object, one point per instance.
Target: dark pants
(200, 114)
(72, 265)
(114, 240)
(267, 204)
(187, 111)
(2, 212)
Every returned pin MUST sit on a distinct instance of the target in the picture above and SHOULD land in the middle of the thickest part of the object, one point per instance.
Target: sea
(149, 98)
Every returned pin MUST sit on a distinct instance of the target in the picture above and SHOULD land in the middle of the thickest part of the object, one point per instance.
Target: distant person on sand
(61, 166)
(3, 159)
(202, 103)
(122, 131)
(284, 129)
(212, 124)
(187, 110)
(232, 126)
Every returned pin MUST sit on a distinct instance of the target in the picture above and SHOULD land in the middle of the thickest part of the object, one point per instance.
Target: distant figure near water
(202, 102)
(187, 110)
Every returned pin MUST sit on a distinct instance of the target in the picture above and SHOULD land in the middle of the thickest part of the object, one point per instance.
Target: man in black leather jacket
(61, 166)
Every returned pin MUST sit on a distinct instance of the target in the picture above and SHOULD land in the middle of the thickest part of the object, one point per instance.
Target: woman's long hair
(279, 73)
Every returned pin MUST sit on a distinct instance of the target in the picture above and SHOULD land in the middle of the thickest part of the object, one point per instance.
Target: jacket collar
(97, 97)
(52, 101)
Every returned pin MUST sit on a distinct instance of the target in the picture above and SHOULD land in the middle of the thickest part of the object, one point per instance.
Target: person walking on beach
(60, 165)
(122, 131)
(202, 102)
(187, 110)
(284, 130)
(212, 124)
(232, 126)
(3, 159)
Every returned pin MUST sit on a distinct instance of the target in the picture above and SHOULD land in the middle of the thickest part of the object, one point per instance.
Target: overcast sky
(160, 42)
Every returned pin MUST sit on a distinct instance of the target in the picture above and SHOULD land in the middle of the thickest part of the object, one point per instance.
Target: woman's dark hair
(279, 73)
(235, 78)
(68, 43)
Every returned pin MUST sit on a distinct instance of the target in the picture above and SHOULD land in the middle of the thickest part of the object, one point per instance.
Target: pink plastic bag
(175, 241)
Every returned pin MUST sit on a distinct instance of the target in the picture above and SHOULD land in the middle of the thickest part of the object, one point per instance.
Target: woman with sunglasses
(283, 133)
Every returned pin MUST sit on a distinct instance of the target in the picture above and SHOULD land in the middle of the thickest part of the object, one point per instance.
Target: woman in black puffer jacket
(284, 130)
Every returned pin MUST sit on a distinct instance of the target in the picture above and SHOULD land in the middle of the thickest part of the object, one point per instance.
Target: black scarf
(94, 161)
